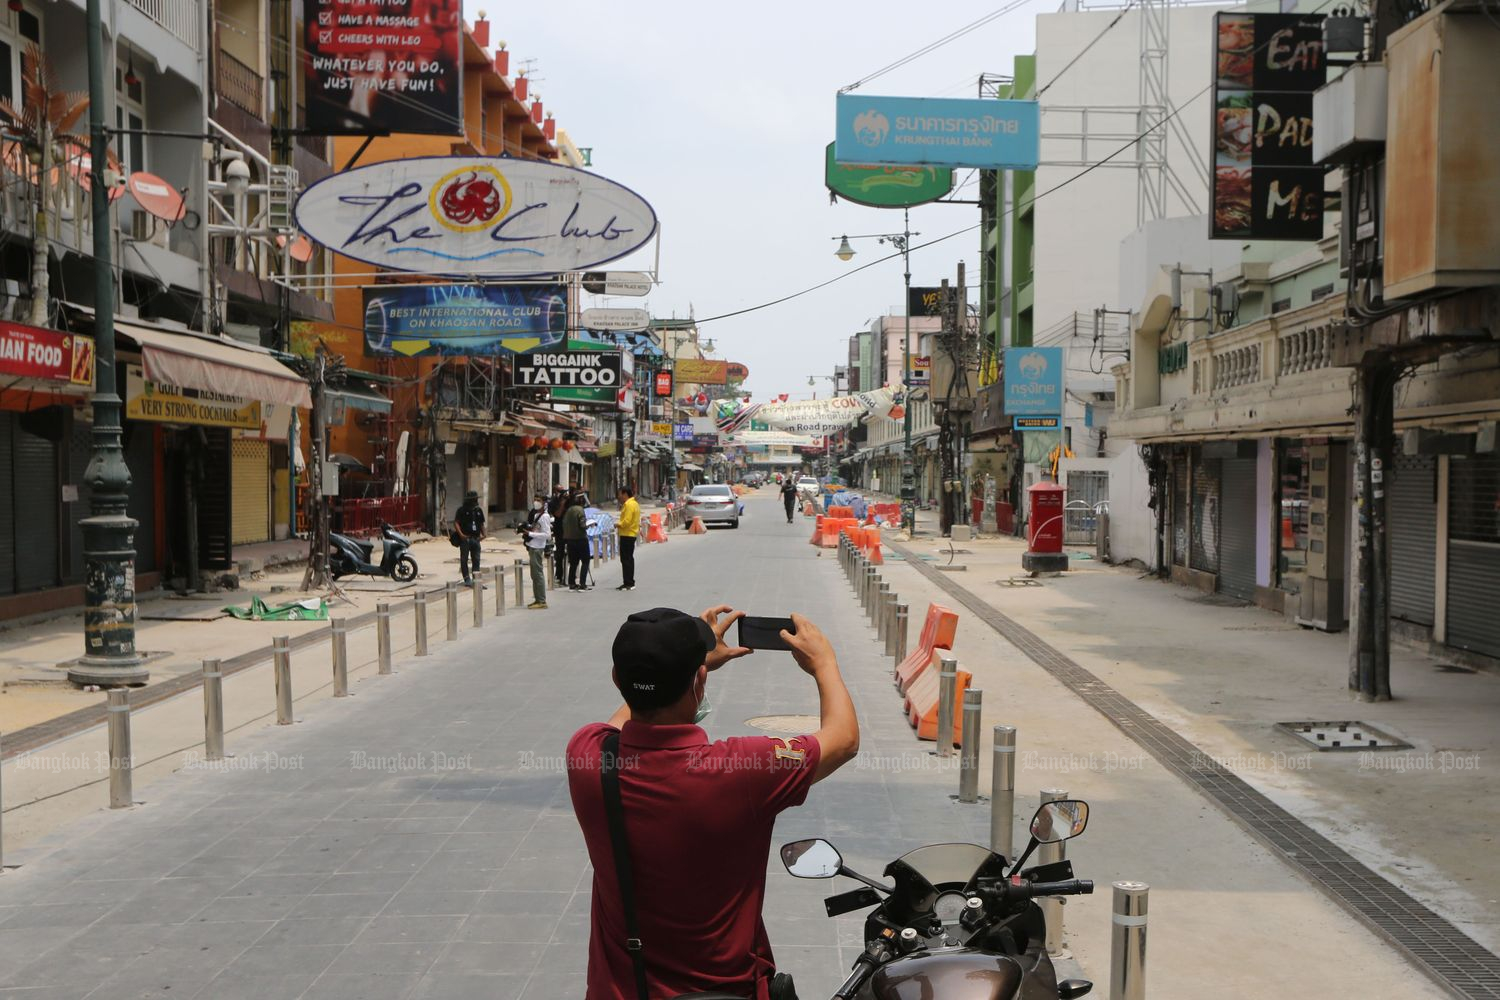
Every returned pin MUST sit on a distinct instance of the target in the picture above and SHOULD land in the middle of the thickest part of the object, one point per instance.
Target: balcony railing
(180, 17)
(239, 84)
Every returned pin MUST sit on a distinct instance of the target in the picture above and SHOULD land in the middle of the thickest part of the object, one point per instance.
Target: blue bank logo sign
(1034, 381)
(998, 135)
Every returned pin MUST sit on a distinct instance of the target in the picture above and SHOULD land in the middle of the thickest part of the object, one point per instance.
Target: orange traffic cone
(697, 527)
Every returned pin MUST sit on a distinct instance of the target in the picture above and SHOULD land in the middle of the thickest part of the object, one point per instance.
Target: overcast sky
(720, 119)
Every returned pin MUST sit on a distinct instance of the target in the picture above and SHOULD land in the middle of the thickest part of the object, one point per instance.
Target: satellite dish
(156, 196)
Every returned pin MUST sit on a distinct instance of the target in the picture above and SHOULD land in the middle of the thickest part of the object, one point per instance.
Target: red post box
(1044, 522)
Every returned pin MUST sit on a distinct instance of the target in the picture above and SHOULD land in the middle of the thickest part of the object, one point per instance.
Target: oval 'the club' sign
(462, 215)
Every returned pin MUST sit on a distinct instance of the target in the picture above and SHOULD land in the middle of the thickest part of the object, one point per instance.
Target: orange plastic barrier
(656, 532)
(938, 632)
(831, 528)
(808, 511)
(697, 527)
(922, 703)
(817, 535)
(840, 511)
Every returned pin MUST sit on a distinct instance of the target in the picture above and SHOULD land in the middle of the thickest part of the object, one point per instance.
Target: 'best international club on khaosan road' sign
(882, 185)
(996, 135)
(385, 66)
(49, 355)
(463, 320)
(475, 216)
(1265, 183)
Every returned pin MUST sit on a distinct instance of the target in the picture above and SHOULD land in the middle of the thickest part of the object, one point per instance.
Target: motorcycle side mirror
(1057, 821)
(811, 859)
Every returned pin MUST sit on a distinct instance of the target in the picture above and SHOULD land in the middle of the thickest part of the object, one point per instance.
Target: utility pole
(110, 658)
(1370, 664)
(908, 467)
(316, 574)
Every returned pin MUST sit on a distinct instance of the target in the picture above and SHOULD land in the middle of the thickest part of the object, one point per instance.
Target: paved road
(416, 841)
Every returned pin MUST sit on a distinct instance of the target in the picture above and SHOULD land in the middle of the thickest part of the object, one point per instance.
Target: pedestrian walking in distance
(788, 497)
(538, 535)
(468, 523)
(575, 532)
(557, 507)
(630, 529)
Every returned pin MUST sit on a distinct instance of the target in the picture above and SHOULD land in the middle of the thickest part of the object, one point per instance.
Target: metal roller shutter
(1204, 543)
(1474, 553)
(140, 455)
(1411, 517)
(36, 492)
(251, 521)
(1237, 528)
(7, 508)
(214, 497)
(1180, 494)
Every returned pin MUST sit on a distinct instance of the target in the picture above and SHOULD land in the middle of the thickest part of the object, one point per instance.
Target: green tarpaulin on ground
(314, 609)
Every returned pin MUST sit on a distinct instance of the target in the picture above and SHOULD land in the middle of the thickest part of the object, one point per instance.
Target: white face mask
(536, 505)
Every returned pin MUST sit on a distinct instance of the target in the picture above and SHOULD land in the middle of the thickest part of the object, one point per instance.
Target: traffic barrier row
(929, 697)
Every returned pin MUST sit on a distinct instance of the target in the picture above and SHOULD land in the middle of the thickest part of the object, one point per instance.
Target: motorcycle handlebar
(1072, 887)
(863, 968)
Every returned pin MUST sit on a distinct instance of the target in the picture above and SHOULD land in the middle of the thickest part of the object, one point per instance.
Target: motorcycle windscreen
(960, 974)
(939, 863)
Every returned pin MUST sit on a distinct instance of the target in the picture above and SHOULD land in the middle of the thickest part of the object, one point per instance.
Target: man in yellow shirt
(629, 527)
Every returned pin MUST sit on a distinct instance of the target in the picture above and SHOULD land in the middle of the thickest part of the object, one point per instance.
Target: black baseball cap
(657, 652)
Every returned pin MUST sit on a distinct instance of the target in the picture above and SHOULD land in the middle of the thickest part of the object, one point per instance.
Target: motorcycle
(955, 925)
(349, 556)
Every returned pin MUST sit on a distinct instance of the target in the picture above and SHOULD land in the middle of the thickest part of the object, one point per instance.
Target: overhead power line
(933, 46)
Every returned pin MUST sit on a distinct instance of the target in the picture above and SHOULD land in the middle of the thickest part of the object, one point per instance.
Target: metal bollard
(882, 594)
(213, 711)
(520, 583)
(383, 636)
(893, 621)
(1003, 792)
(886, 618)
(119, 748)
(947, 693)
(968, 767)
(1127, 965)
(476, 588)
(497, 581)
(450, 594)
(902, 615)
(281, 658)
(339, 630)
(594, 546)
(419, 619)
(1052, 908)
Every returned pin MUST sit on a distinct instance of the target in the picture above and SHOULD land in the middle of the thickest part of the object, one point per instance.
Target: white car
(808, 488)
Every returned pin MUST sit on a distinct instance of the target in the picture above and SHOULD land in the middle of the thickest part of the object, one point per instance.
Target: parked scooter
(350, 556)
(956, 925)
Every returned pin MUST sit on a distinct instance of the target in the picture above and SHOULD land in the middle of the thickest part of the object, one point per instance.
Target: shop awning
(195, 361)
(690, 466)
(359, 399)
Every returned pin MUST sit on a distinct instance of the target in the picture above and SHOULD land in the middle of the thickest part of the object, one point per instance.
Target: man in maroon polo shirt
(698, 815)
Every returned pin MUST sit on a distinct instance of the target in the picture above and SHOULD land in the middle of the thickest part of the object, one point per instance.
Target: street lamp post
(901, 242)
(110, 658)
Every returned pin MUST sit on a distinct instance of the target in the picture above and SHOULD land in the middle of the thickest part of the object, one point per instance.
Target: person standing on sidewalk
(630, 529)
(575, 533)
(557, 507)
(468, 521)
(697, 817)
(538, 535)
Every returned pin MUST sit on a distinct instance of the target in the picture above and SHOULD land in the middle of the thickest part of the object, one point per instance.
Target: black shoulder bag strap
(614, 810)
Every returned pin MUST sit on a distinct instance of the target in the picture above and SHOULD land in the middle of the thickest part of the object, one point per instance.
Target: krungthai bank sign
(996, 135)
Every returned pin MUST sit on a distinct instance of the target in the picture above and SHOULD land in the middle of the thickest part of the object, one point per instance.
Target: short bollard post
(450, 594)
(594, 547)
(213, 712)
(477, 589)
(498, 582)
(1052, 908)
(882, 593)
(419, 620)
(520, 582)
(947, 693)
(281, 660)
(892, 622)
(968, 769)
(119, 748)
(887, 618)
(902, 615)
(1003, 792)
(339, 630)
(1127, 965)
(383, 636)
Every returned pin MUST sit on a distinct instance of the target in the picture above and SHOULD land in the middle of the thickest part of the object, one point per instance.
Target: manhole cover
(797, 725)
(1343, 736)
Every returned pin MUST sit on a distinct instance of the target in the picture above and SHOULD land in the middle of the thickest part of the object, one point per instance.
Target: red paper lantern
(555, 443)
(526, 441)
(567, 446)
